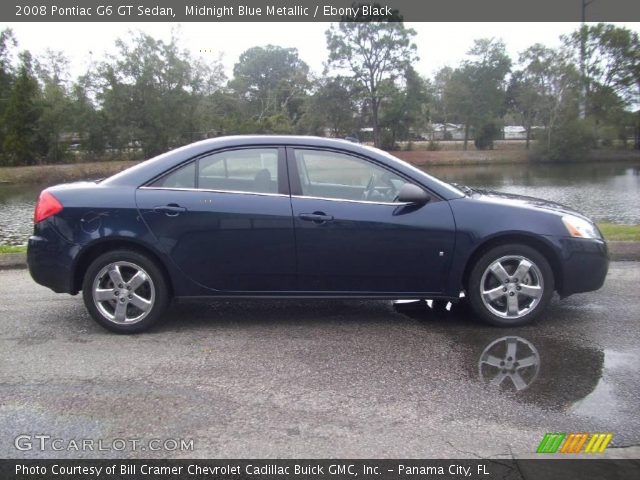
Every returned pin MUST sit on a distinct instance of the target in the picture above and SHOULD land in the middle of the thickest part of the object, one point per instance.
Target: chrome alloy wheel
(123, 292)
(514, 358)
(511, 287)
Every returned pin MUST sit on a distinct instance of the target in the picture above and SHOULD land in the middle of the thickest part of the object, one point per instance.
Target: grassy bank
(506, 153)
(13, 249)
(624, 233)
(52, 174)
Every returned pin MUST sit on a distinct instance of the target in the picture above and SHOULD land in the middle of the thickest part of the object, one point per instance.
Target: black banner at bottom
(486, 469)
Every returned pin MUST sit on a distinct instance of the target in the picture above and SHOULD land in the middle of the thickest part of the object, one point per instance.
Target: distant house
(514, 132)
(445, 131)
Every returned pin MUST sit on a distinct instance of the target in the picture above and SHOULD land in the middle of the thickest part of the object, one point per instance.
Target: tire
(515, 294)
(125, 291)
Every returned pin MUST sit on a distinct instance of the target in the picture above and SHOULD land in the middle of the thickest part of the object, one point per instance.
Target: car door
(352, 235)
(225, 220)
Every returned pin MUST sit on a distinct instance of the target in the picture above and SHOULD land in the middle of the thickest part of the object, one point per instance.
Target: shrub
(570, 141)
(433, 146)
(485, 136)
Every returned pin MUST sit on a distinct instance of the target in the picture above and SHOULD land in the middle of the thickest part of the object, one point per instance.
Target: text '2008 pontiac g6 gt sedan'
(304, 217)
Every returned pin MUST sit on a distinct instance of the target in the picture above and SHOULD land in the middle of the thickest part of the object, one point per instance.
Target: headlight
(579, 227)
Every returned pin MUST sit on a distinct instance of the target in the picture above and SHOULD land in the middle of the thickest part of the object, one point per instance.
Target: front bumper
(584, 265)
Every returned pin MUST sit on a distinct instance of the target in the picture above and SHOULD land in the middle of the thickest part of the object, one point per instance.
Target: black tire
(153, 293)
(490, 312)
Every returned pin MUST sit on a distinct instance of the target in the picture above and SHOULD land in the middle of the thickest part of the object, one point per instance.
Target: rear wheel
(510, 285)
(125, 291)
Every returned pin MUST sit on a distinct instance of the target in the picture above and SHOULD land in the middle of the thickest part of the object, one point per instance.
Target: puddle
(528, 364)
(608, 401)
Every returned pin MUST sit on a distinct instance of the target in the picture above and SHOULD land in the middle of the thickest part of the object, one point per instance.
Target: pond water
(605, 192)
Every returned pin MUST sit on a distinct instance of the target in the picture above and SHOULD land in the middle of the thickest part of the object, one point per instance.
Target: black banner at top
(317, 10)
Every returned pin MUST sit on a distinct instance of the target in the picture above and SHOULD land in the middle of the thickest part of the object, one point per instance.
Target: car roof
(149, 169)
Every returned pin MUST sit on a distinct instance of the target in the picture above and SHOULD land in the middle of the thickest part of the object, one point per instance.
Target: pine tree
(21, 143)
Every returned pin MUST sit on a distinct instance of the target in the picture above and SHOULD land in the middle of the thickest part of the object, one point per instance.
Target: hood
(492, 196)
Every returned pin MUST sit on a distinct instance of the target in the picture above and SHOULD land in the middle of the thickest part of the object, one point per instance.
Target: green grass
(13, 248)
(613, 231)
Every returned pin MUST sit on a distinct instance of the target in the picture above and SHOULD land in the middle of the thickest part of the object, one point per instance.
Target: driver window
(335, 175)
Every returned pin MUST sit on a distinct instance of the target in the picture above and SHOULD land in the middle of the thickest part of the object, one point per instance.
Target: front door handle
(316, 217)
(171, 210)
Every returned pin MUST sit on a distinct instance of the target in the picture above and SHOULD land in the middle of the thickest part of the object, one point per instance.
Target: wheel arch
(535, 242)
(96, 249)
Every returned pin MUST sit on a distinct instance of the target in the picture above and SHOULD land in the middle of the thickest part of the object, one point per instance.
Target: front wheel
(510, 285)
(125, 291)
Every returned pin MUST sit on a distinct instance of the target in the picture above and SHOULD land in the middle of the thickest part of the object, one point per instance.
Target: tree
(7, 42)
(407, 108)
(55, 104)
(611, 58)
(561, 80)
(22, 144)
(375, 53)
(85, 119)
(528, 90)
(556, 82)
(475, 93)
(524, 99)
(146, 94)
(273, 81)
(333, 106)
(440, 111)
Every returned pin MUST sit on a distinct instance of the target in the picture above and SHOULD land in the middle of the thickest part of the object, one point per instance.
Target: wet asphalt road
(316, 378)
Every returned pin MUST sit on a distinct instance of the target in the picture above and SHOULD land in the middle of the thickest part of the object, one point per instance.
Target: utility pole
(583, 53)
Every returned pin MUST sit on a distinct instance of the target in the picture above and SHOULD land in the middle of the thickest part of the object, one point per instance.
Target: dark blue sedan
(304, 217)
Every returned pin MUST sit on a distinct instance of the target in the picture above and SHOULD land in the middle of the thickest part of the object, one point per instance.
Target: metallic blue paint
(228, 244)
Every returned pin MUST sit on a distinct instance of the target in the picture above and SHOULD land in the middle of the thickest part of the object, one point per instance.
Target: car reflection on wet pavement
(502, 362)
(323, 378)
(544, 369)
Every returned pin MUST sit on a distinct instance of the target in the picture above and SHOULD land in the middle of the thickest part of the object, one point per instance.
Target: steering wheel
(371, 190)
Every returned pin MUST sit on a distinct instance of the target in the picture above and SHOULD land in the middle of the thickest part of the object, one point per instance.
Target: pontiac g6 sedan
(303, 217)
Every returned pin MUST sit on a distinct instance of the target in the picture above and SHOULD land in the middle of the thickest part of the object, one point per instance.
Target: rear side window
(249, 170)
(183, 177)
(252, 170)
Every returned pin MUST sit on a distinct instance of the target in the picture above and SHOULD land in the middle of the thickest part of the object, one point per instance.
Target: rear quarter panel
(94, 214)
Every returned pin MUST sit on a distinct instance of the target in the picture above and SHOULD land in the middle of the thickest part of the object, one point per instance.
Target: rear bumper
(585, 264)
(50, 264)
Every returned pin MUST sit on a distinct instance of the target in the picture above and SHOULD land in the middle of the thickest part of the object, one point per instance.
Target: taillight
(46, 206)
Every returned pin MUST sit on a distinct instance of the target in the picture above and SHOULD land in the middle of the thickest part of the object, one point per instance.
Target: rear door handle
(316, 217)
(171, 210)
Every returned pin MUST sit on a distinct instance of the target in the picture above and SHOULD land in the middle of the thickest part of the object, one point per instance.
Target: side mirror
(410, 193)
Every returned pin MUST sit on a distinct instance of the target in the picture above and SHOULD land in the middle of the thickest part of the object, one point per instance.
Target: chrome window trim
(179, 189)
(396, 204)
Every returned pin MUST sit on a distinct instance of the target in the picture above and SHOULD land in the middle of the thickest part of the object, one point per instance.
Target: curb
(618, 252)
(13, 260)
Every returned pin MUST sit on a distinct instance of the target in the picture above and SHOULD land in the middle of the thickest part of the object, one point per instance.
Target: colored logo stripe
(574, 442)
(598, 443)
(550, 443)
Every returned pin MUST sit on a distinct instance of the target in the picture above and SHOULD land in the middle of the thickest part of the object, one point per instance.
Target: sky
(439, 44)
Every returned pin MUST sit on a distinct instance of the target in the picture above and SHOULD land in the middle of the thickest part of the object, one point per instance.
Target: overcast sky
(439, 44)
